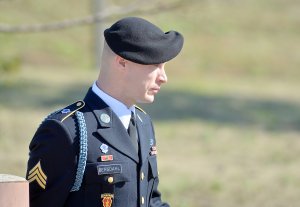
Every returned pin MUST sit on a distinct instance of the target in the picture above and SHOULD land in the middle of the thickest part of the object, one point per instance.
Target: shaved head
(107, 58)
(111, 76)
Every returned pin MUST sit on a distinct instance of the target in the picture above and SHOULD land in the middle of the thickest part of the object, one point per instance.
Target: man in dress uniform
(101, 151)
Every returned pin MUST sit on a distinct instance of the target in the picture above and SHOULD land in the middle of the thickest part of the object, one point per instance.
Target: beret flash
(142, 42)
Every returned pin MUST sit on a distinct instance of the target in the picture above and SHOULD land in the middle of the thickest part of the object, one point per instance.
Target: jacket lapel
(143, 128)
(111, 128)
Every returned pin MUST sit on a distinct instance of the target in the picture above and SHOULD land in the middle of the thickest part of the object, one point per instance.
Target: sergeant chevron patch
(37, 174)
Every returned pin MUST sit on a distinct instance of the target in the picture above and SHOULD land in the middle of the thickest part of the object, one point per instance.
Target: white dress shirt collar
(118, 107)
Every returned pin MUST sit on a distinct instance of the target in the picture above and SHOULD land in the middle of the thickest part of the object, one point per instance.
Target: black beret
(142, 42)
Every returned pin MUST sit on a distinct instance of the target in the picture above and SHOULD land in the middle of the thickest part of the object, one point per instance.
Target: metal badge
(151, 142)
(105, 118)
(104, 148)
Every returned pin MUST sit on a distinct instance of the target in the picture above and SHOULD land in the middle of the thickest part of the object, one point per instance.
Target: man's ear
(121, 62)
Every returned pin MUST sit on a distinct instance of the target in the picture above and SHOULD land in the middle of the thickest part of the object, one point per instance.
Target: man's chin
(147, 100)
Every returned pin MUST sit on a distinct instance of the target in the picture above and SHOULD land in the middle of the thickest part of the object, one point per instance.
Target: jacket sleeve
(156, 197)
(51, 166)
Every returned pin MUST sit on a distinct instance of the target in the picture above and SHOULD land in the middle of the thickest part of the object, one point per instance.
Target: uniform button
(110, 179)
(142, 200)
(142, 176)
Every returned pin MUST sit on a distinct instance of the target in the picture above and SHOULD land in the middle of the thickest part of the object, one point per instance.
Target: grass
(227, 122)
(208, 165)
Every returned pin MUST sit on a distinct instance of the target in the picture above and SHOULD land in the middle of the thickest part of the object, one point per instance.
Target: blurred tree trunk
(97, 38)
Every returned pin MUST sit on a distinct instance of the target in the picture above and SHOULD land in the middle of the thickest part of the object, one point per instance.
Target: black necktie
(132, 131)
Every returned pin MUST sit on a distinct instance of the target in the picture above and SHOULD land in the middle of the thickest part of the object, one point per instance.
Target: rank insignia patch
(107, 199)
(37, 174)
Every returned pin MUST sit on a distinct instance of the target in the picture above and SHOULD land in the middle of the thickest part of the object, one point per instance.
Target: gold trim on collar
(140, 109)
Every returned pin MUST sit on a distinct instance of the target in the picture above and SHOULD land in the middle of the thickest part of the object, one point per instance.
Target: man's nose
(163, 76)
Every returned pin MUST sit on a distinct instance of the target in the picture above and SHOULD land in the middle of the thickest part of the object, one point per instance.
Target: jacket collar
(111, 128)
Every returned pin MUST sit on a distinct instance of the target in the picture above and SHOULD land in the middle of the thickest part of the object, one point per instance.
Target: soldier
(101, 151)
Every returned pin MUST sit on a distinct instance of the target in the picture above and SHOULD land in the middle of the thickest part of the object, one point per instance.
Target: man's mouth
(155, 90)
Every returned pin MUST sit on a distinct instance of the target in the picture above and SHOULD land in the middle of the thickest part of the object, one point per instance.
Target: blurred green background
(227, 122)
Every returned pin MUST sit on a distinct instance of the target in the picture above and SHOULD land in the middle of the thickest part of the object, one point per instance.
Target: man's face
(144, 82)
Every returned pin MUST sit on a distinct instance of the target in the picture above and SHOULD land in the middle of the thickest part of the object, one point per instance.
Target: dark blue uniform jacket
(115, 174)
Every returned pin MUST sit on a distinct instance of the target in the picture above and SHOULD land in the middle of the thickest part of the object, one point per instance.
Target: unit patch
(107, 199)
(109, 169)
(37, 174)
